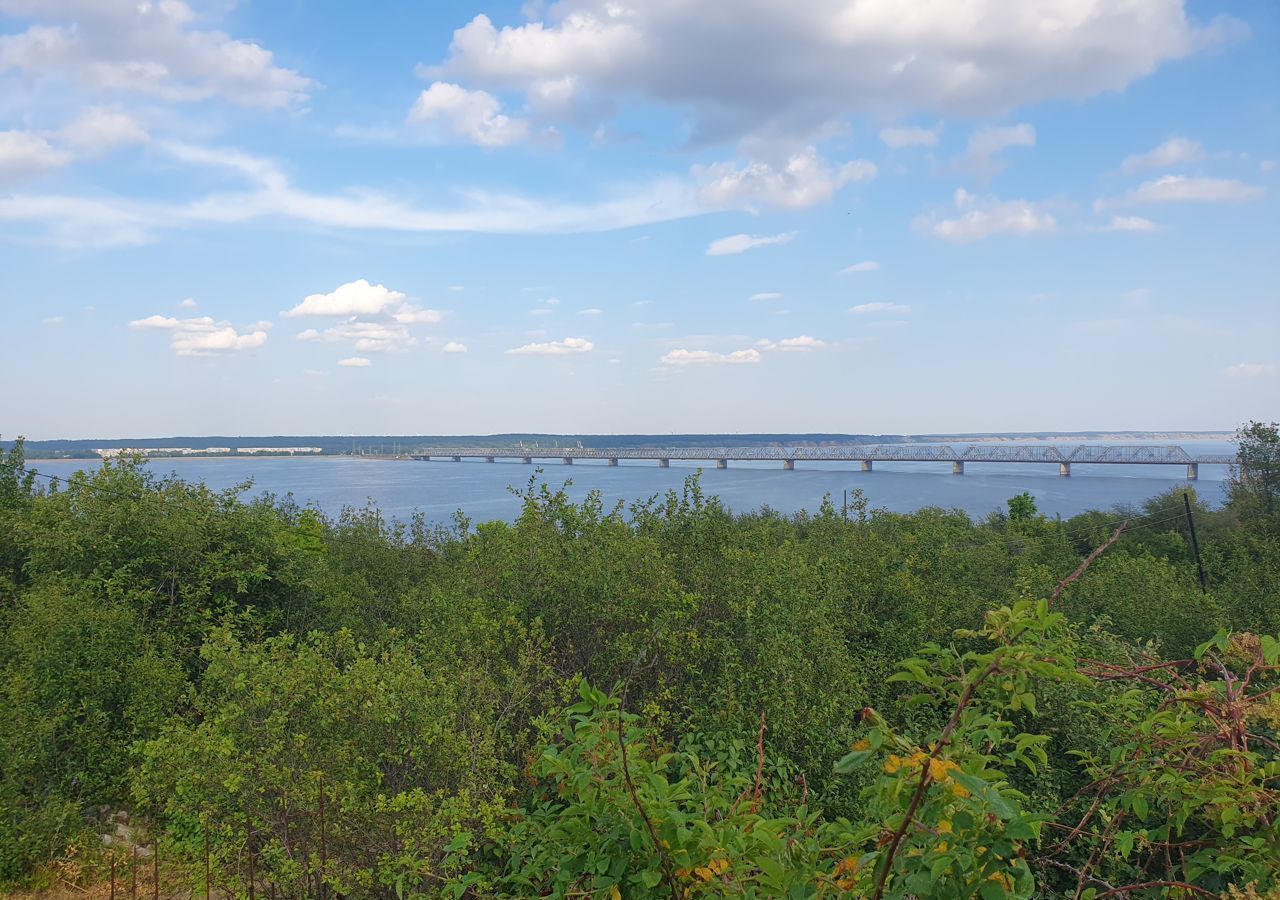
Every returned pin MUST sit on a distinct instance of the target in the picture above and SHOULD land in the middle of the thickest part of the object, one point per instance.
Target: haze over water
(438, 489)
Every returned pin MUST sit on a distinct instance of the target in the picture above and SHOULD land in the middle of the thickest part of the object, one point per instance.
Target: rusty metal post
(133, 875)
(113, 875)
(155, 869)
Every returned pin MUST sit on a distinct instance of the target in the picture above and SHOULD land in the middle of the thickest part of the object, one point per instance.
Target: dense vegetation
(665, 700)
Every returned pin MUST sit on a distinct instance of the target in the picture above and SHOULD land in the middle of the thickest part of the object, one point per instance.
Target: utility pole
(1195, 544)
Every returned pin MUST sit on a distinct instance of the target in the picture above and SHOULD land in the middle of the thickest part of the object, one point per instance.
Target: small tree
(1254, 484)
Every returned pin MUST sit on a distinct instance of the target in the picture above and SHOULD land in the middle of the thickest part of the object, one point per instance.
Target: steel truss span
(866, 454)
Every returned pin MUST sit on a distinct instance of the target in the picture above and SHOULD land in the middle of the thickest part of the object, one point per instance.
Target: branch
(1088, 560)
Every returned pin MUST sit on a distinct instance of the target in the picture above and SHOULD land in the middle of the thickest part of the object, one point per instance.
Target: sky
(644, 216)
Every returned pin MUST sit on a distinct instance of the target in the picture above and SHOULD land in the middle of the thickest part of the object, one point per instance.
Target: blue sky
(637, 216)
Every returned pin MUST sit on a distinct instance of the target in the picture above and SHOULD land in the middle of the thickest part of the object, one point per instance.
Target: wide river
(438, 489)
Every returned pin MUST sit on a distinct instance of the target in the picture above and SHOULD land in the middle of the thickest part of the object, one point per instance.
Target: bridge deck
(1114, 454)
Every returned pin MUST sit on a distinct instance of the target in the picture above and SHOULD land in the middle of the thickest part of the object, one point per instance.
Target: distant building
(290, 451)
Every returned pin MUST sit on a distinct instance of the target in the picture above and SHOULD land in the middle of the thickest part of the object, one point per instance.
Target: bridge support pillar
(527, 460)
(1193, 471)
(1064, 469)
(722, 463)
(613, 460)
(957, 467)
(664, 464)
(457, 459)
(788, 464)
(488, 459)
(568, 460)
(866, 465)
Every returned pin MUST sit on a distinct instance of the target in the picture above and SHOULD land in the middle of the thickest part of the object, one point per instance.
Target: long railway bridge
(866, 455)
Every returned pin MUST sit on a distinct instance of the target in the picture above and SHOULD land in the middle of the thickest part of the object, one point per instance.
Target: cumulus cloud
(151, 48)
(1130, 223)
(880, 306)
(740, 243)
(865, 266)
(99, 130)
(1185, 189)
(188, 303)
(454, 347)
(567, 347)
(800, 181)
(366, 337)
(23, 155)
(592, 311)
(354, 298)
(984, 144)
(681, 357)
(54, 320)
(766, 295)
(793, 68)
(1251, 370)
(1173, 152)
(355, 362)
(980, 217)
(475, 116)
(203, 336)
(897, 137)
(802, 344)
(408, 314)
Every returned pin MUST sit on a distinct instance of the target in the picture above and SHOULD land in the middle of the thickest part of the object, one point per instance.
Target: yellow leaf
(614, 893)
(704, 873)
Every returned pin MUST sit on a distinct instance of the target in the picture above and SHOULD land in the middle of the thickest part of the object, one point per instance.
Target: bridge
(866, 455)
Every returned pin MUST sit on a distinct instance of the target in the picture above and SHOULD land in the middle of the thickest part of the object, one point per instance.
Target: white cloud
(682, 357)
(791, 69)
(898, 137)
(801, 344)
(353, 298)
(567, 347)
(98, 130)
(1173, 152)
(54, 320)
(740, 243)
(1251, 370)
(115, 221)
(981, 217)
(366, 337)
(766, 295)
(879, 306)
(1130, 223)
(355, 362)
(541, 311)
(866, 266)
(23, 155)
(203, 336)
(800, 181)
(408, 314)
(146, 47)
(189, 303)
(475, 116)
(1185, 189)
(455, 347)
(592, 311)
(980, 155)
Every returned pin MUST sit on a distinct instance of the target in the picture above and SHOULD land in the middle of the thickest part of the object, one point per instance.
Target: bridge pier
(788, 465)
(664, 463)
(957, 467)
(866, 465)
(527, 460)
(455, 459)
(488, 459)
(722, 463)
(1064, 469)
(613, 460)
(1193, 471)
(568, 460)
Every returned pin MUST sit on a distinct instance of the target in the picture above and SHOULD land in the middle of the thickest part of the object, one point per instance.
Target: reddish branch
(1088, 560)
